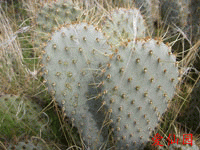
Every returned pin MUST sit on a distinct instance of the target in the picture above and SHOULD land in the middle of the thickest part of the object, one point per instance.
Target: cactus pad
(53, 15)
(57, 13)
(137, 88)
(184, 147)
(124, 25)
(30, 145)
(25, 146)
(71, 57)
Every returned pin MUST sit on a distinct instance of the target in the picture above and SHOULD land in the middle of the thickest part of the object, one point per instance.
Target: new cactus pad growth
(123, 25)
(71, 58)
(138, 86)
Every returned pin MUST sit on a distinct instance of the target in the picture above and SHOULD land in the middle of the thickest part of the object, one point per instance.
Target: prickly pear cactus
(175, 11)
(148, 8)
(124, 25)
(55, 14)
(138, 85)
(25, 146)
(20, 116)
(184, 147)
(70, 59)
(29, 145)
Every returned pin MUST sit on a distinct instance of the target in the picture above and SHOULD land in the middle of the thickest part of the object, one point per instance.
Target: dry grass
(10, 54)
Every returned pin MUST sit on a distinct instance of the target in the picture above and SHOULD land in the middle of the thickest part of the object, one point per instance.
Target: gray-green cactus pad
(54, 14)
(30, 145)
(148, 8)
(184, 147)
(25, 146)
(123, 25)
(137, 88)
(70, 59)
